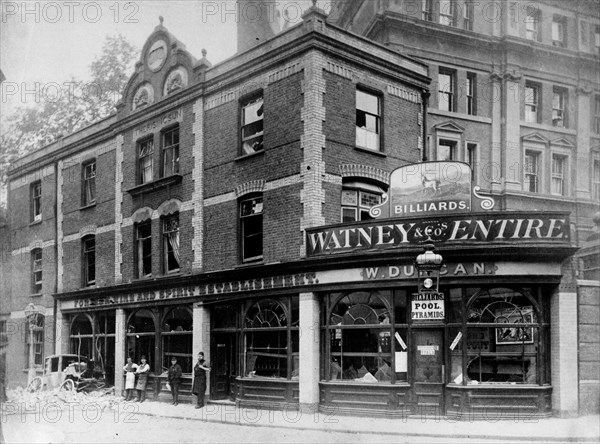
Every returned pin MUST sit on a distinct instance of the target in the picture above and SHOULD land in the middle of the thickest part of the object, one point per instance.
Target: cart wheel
(35, 385)
(68, 386)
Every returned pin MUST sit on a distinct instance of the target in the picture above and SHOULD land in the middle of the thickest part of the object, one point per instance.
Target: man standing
(173, 378)
(199, 386)
(142, 371)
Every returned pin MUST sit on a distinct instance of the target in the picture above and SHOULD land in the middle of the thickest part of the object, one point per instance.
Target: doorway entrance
(224, 365)
(428, 371)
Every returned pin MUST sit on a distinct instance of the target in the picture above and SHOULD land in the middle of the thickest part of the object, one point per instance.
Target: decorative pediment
(561, 141)
(449, 126)
(535, 138)
(141, 215)
(176, 80)
(169, 207)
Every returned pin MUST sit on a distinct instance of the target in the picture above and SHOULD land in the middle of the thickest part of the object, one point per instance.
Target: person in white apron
(129, 369)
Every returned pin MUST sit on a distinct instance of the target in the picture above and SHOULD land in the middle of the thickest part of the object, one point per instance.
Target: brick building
(230, 209)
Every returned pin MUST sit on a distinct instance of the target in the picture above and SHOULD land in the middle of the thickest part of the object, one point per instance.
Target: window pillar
(511, 142)
(563, 340)
(309, 351)
(120, 345)
(201, 336)
(584, 105)
(61, 340)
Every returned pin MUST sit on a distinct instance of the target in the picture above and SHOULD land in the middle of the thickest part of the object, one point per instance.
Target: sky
(43, 43)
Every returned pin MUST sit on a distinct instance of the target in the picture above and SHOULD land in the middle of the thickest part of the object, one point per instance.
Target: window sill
(247, 156)
(36, 295)
(251, 263)
(155, 185)
(86, 207)
(541, 126)
(366, 150)
(35, 222)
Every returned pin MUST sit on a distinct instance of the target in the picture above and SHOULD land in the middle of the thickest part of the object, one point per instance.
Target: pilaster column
(583, 159)
(563, 349)
(309, 351)
(201, 336)
(120, 349)
(512, 97)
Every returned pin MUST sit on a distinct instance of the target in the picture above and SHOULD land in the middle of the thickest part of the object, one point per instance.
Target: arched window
(360, 338)
(504, 331)
(268, 333)
(141, 337)
(177, 338)
(81, 338)
(358, 197)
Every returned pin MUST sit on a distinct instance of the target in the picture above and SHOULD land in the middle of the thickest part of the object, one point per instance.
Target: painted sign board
(464, 229)
(422, 189)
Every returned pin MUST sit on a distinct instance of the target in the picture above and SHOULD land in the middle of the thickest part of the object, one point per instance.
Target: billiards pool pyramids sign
(435, 202)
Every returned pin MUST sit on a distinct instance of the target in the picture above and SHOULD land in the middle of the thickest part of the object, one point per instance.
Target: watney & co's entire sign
(475, 228)
(432, 202)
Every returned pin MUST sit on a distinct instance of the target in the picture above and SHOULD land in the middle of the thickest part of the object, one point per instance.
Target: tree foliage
(76, 105)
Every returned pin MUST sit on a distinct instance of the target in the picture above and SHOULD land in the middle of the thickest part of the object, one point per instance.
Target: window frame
(363, 114)
(532, 24)
(88, 260)
(142, 167)
(450, 95)
(559, 176)
(468, 15)
(35, 193)
(471, 96)
(37, 342)
(447, 18)
(532, 102)
(596, 178)
(471, 153)
(165, 149)
(88, 179)
(258, 137)
(167, 248)
(141, 242)
(427, 10)
(37, 270)
(536, 175)
(559, 111)
(596, 114)
(452, 144)
(242, 230)
(559, 31)
(360, 188)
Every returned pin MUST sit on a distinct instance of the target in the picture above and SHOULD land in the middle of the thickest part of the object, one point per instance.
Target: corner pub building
(229, 209)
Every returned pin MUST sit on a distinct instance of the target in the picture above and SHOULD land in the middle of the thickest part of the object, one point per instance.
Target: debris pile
(104, 398)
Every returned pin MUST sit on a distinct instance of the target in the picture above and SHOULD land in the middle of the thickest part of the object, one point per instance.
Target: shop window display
(177, 338)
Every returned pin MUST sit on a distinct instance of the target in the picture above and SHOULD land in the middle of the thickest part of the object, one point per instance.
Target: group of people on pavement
(138, 389)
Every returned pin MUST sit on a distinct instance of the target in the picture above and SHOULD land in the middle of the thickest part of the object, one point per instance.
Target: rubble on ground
(105, 398)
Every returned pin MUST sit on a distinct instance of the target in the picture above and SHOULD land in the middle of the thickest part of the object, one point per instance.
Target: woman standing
(129, 369)
(142, 372)
(199, 386)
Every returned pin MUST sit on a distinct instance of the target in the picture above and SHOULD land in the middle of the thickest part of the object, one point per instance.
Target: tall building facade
(240, 210)
(515, 92)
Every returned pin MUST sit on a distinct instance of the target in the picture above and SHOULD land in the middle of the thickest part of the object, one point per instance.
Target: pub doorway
(428, 370)
(224, 365)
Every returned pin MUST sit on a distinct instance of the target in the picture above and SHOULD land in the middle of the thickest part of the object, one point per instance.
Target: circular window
(157, 55)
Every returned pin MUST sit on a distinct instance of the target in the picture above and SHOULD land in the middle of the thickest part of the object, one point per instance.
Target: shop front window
(141, 337)
(177, 338)
(503, 338)
(360, 338)
(82, 336)
(271, 340)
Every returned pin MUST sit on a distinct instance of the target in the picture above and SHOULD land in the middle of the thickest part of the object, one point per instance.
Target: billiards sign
(427, 306)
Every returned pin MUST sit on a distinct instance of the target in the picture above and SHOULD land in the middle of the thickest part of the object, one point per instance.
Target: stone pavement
(582, 429)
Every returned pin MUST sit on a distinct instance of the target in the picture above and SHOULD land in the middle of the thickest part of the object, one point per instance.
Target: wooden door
(428, 371)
